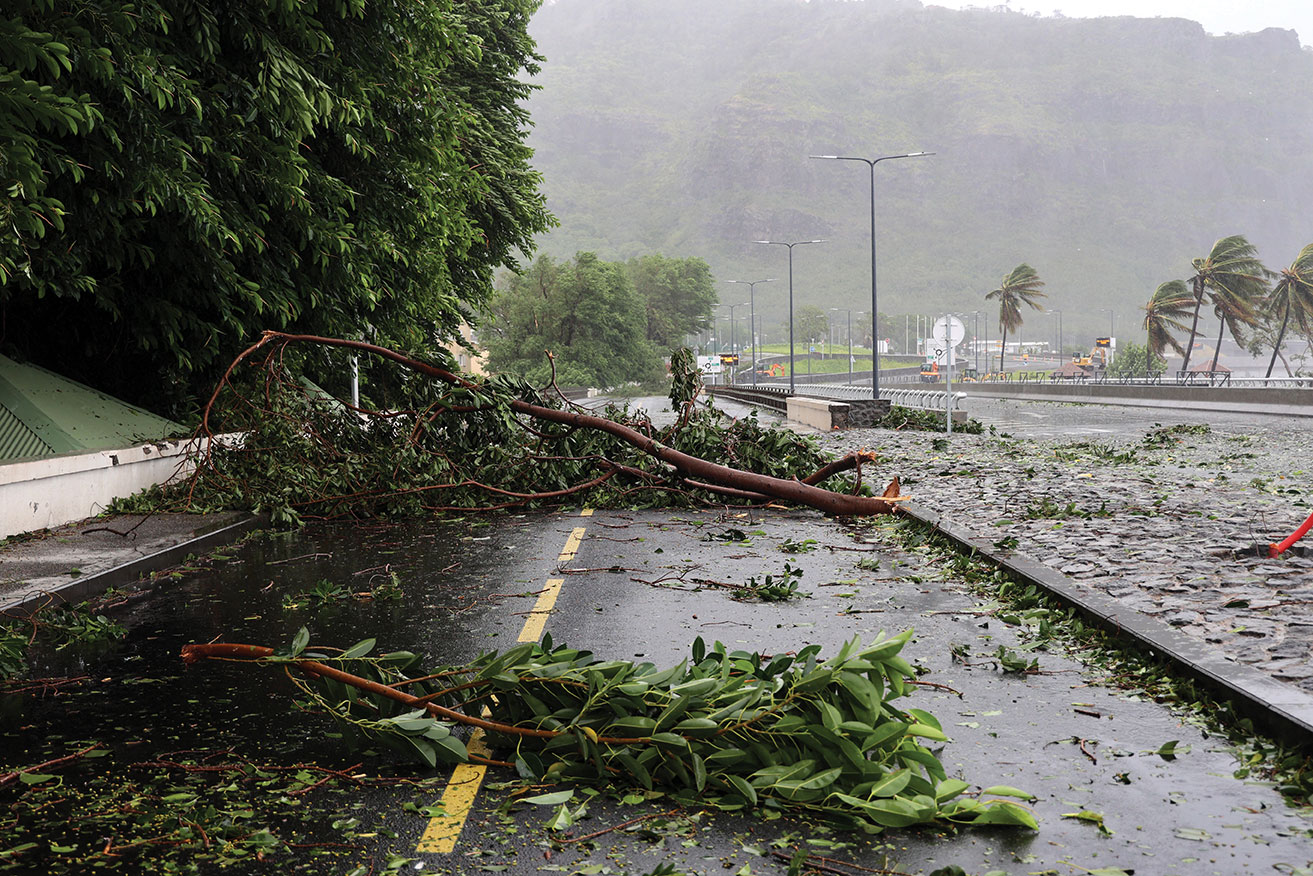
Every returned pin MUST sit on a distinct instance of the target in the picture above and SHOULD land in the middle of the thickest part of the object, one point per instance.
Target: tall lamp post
(875, 311)
(790, 245)
(975, 338)
(733, 341)
(1058, 313)
(752, 317)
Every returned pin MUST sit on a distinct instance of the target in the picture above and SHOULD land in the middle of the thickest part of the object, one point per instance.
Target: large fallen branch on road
(732, 730)
(480, 400)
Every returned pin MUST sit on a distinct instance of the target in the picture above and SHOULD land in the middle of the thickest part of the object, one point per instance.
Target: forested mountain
(1106, 153)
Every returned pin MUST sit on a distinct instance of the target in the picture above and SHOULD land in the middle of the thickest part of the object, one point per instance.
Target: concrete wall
(818, 413)
(43, 493)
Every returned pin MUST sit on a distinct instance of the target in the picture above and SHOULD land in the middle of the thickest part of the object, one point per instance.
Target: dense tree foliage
(585, 312)
(182, 175)
(678, 294)
(1136, 360)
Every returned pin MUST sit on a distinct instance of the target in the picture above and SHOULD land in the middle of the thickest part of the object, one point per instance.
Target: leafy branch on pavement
(457, 444)
(729, 729)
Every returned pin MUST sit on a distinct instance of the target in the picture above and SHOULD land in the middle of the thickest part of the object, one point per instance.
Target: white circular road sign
(949, 330)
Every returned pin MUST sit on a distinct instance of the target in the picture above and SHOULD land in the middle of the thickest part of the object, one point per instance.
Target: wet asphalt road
(631, 592)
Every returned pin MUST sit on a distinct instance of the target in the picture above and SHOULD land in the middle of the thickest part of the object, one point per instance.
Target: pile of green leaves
(445, 447)
(729, 729)
(921, 420)
(79, 626)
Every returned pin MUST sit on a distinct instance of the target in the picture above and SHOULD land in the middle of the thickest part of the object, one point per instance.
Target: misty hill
(1107, 153)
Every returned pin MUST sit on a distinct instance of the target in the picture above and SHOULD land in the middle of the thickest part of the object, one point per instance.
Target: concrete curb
(81, 589)
(1280, 707)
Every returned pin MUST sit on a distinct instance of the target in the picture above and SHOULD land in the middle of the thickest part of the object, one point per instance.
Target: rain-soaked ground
(630, 593)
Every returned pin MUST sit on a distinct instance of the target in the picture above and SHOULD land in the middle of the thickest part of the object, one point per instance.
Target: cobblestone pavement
(1161, 509)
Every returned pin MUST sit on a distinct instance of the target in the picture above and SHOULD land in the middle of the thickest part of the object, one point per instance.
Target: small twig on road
(831, 865)
(304, 557)
(621, 826)
(7, 778)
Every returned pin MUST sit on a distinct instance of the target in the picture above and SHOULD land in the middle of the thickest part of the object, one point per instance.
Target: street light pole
(875, 311)
(790, 245)
(752, 317)
(1059, 315)
(733, 342)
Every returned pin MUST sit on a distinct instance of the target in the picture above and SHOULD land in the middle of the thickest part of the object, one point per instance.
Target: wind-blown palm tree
(1234, 277)
(1021, 286)
(1292, 296)
(1171, 302)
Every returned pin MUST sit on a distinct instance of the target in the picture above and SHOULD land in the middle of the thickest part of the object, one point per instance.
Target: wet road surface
(632, 591)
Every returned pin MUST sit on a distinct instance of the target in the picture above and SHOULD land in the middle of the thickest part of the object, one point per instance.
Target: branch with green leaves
(729, 729)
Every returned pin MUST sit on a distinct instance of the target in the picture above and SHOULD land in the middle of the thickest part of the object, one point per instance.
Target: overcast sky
(1217, 16)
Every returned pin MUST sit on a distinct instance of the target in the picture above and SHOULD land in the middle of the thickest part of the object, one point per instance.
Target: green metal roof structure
(43, 414)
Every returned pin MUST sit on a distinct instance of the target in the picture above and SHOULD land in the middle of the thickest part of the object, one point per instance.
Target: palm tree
(1292, 296)
(1232, 273)
(1020, 286)
(1162, 316)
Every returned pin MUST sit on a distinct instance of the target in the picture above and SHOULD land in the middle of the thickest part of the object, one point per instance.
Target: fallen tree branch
(689, 467)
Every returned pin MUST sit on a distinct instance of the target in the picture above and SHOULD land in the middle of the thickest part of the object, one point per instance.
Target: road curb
(1281, 708)
(81, 589)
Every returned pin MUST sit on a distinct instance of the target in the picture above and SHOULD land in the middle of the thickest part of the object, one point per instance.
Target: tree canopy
(585, 312)
(679, 294)
(182, 176)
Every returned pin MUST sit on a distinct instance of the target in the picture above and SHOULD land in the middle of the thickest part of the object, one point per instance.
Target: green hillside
(1107, 153)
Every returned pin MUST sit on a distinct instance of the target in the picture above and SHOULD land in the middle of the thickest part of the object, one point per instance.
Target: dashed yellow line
(458, 798)
(572, 545)
(537, 619)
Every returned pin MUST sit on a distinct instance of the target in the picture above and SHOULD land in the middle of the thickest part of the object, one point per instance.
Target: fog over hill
(1105, 152)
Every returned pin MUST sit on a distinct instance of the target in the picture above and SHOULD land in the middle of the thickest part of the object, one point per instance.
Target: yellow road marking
(457, 800)
(537, 619)
(442, 832)
(572, 545)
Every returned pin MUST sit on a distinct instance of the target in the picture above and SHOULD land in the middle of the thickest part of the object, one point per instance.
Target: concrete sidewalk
(76, 561)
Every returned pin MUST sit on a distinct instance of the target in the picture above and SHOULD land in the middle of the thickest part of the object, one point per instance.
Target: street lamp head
(823, 156)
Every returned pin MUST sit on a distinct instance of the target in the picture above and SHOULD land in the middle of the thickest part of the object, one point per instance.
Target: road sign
(949, 330)
(709, 365)
(729, 358)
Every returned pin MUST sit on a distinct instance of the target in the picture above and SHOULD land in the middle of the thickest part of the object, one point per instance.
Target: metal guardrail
(926, 399)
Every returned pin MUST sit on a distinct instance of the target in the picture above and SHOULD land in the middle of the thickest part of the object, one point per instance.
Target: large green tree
(1233, 279)
(1022, 285)
(584, 312)
(183, 175)
(1292, 297)
(678, 295)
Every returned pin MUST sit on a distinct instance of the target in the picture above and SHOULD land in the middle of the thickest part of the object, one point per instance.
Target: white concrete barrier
(818, 413)
(43, 493)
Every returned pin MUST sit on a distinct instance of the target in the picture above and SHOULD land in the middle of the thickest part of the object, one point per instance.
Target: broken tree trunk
(730, 480)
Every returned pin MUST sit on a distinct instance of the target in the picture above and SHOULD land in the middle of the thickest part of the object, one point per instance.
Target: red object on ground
(1276, 550)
